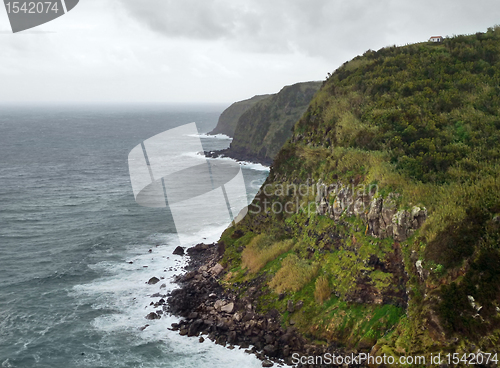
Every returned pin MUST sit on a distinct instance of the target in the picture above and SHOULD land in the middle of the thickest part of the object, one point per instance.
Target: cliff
(228, 120)
(265, 126)
(380, 216)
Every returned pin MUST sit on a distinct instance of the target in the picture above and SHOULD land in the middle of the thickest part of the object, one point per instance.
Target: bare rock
(216, 270)
(267, 363)
(218, 305)
(179, 251)
(228, 308)
(152, 316)
(153, 280)
(374, 216)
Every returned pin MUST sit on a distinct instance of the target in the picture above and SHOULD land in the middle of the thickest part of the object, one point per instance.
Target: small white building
(436, 39)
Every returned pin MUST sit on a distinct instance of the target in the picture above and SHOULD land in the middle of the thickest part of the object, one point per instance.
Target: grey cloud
(324, 28)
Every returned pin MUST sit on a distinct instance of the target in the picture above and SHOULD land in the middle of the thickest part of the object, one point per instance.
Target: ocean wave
(212, 136)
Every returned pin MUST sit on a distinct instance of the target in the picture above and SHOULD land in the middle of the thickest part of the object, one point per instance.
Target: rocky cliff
(380, 215)
(228, 120)
(264, 127)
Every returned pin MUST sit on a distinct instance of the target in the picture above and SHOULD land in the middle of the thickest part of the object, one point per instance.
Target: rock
(269, 339)
(299, 305)
(269, 350)
(153, 280)
(267, 363)
(216, 270)
(286, 351)
(228, 308)
(473, 303)
(419, 215)
(359, 207)
(195, 327)
(401, 225)
(179, 251)
(198, 248)
(218, 305)
(143, 327)
(152, 316)
(289, 306)
(336, 210)
(201, 339)
(420, 269)
(374, 216)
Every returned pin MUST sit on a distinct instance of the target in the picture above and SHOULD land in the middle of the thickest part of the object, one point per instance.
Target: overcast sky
(211, 50)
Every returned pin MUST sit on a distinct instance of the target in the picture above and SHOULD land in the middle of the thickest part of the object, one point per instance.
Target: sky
(211, 51)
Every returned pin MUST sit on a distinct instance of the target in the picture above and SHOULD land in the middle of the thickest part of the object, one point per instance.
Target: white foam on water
(245, 164)
(212, 136)
(125, 297)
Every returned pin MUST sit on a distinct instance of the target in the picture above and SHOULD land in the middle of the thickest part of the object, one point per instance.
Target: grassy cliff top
(422, 123)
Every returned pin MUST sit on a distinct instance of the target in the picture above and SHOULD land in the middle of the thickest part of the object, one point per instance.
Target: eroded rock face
(380, 214)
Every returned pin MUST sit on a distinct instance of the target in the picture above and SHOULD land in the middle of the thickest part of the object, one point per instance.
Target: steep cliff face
(264, 128)
(380, 215)
(229, 118)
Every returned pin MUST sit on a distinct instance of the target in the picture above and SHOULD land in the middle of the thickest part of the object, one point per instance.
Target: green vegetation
(293, 275)
(322, 290)
(261, 250)
(422, 121)
(263, 129)
(229, 118)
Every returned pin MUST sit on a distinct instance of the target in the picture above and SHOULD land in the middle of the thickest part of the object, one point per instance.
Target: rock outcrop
(381, 215)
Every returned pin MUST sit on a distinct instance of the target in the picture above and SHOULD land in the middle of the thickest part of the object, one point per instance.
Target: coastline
(208, 311)
(239, 156)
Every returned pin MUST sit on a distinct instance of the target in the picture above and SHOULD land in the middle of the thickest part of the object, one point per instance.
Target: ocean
(76, 250)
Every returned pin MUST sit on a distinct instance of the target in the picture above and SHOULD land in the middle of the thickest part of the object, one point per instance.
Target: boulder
(153, 280)
(179, 251)
(216, 270)
(228, 308)
(195, 327)
(152, 316)
(267, 363)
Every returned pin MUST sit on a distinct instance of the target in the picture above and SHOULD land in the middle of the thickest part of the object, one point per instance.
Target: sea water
(76, 251)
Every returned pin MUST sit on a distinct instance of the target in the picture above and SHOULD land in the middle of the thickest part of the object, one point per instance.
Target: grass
(293, 275)
(322, 290)
(261, 250)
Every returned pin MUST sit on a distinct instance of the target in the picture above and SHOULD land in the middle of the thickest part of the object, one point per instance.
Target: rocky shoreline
(208, 311)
